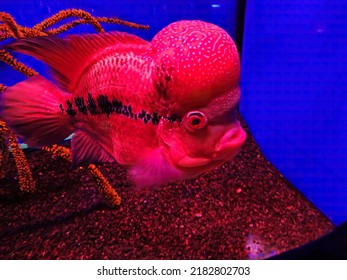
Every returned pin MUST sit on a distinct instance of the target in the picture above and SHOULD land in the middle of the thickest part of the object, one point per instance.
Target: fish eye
(195, 120)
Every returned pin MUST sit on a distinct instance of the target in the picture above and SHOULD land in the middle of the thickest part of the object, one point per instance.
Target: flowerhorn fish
(165, 109)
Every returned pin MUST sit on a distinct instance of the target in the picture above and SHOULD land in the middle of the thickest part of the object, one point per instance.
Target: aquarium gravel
(244, 209)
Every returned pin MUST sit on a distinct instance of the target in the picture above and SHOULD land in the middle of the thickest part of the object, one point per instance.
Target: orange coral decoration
(19, 66)
(69, 13)
(4, 151)
(2, 87)
(26, 181)
(9, 28)
(105, 188)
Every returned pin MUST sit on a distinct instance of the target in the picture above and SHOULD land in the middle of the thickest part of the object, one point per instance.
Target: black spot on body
(70, 111)
(92, 105)
(79, 101)
(130, 110)
(105, 105)
(173, 118)
(117, 105)
(124, 110)
(155, 118)
(142, 114)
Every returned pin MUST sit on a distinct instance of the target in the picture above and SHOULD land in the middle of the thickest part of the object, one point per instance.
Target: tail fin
(32, 109)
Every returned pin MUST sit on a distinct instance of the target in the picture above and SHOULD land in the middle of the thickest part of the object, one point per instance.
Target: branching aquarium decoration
(9, 28)
(26, 181)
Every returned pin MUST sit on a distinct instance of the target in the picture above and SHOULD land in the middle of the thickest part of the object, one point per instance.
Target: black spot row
(102, 105)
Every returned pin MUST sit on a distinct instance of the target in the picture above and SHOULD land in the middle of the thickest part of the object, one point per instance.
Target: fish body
(117, 110)
(165, 109)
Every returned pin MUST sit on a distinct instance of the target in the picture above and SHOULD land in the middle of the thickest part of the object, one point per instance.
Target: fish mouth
(227, 147)
(230, 144)
(190, 162)
(181, 160)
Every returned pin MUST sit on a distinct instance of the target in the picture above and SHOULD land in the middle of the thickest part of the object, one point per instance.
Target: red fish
(165, 109)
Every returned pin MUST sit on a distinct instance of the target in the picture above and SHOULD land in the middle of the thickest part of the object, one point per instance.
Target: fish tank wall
(294, 82)
(293, 76)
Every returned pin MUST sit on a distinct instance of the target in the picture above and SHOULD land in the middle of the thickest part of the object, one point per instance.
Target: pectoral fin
(154, 170)
(86, 150)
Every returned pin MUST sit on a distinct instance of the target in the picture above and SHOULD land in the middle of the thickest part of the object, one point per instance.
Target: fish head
(204, 138)
(197, 71)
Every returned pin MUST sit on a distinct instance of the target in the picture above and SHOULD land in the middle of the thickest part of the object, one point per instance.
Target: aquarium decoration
(26, 181)
(9, 28)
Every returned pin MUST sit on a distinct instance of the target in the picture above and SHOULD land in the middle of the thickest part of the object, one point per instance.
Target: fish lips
(228, 146)
(231, 142)
(181, 160)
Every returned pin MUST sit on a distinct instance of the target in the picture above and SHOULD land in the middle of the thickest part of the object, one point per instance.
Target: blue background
(293, 79)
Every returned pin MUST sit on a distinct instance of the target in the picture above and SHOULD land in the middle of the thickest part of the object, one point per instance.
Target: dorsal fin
(68, 56)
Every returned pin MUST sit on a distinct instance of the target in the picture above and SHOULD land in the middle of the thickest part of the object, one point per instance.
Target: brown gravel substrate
(244, 209)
